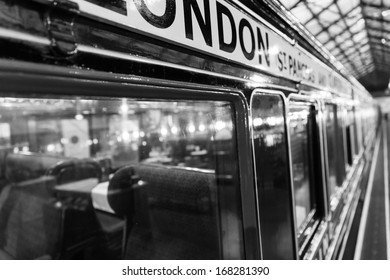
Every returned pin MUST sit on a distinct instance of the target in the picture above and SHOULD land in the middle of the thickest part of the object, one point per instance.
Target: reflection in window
(350, 137)
(118, 178)
(340, 138)
(358, 129)
(302, 163)
(273, 180)
(331, 142)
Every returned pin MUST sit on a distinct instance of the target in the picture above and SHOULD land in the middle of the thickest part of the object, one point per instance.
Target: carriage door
(307, 176)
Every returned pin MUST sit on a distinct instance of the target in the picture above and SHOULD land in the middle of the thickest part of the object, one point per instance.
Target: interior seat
(176, 216)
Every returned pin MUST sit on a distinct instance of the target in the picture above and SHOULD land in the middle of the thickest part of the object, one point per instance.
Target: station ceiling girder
(356, 33)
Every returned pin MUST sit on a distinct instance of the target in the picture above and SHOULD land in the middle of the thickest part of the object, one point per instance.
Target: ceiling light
(383, 41)
(79, 117)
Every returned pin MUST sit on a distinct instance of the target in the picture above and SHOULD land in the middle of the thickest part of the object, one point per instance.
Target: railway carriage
(196, 129)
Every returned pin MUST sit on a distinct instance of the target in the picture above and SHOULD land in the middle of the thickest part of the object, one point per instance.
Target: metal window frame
(45, 80)
(278, 93)
(318, 129)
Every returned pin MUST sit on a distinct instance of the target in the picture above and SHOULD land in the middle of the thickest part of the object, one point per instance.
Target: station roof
(356, 32)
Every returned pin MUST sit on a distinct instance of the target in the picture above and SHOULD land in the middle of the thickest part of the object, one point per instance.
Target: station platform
(373, 232)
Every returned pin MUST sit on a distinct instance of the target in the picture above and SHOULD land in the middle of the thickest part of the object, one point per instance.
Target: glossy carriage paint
(219, 28)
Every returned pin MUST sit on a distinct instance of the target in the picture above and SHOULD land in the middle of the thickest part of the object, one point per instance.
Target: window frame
(350, 127)
(38, 80)
(339, 128)
(313, 220)
(335, 201)
(278, 93)
(358, 130)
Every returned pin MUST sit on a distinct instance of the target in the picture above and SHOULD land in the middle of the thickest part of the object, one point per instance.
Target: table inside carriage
(90, 228)
(84, 186)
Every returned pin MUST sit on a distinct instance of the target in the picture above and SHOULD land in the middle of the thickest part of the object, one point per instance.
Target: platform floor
(373, 240)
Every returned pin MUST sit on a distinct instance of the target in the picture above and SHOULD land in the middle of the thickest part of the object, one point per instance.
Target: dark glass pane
(302, 164)
(356, 130)
(118, 178)
(340, 154)
(273, 181)
(351, 144)
(331, 142)
(349, 147)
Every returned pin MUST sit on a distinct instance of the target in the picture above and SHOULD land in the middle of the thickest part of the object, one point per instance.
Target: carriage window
(341, 139)
(331, 142)
(273, 178)
(302, 147)
(118, 179)
(357, 130)
(350, 137)
(348, 133)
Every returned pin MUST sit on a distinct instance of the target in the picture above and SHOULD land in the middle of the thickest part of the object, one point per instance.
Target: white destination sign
(222, 29)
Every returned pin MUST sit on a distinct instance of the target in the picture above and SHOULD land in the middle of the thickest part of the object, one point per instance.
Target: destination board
(219, 28)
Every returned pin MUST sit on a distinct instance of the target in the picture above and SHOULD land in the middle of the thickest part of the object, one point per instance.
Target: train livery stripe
(367, 200)
(229, 31)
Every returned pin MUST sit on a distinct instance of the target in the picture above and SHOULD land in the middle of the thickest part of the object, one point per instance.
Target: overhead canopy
(356, 32)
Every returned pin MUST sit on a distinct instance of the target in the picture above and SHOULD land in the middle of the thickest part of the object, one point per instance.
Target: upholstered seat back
(30, 220)
(75, 170)
(26, 166)
(181, 212)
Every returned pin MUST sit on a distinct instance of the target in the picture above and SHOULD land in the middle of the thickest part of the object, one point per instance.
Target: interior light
(257, 122)
(124, 108)
(191, 128)
(125, 136)
(271, 121)
(383, 41)
(219, 125)
(51, 148)
(164, 131)
(79, 117)
(174, 130)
